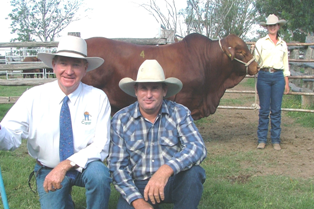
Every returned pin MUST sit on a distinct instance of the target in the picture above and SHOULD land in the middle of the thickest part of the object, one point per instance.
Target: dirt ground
(235, 130)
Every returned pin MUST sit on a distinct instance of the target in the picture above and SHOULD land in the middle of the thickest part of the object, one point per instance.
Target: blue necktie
(66, 147)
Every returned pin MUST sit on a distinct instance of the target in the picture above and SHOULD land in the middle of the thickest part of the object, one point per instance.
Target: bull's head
(236, 49)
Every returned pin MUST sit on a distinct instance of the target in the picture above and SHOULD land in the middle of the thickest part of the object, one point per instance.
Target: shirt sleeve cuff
(79, 169)
(175, 166)
(134, 197)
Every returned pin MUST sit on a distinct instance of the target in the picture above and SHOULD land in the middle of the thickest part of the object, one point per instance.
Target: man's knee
(97, 173)
(194, 174)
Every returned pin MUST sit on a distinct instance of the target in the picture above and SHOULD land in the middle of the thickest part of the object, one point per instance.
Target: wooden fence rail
(8, 100)
(10, 67)
(140, 41)
(19, 66)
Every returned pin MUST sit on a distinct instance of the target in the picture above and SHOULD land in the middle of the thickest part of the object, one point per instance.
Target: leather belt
(270, 70)
(39, 163)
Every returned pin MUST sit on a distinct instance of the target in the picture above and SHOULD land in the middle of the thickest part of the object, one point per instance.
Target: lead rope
(255, 104)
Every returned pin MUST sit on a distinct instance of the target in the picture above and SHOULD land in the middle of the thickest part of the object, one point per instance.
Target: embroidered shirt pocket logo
(87, 118)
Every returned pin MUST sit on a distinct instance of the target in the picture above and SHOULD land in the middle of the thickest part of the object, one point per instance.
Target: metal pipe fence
(255, 106)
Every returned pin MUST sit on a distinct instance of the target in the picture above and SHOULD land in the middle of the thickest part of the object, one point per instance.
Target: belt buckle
(271, 70)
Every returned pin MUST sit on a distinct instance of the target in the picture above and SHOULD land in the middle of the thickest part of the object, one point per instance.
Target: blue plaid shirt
(138, 147)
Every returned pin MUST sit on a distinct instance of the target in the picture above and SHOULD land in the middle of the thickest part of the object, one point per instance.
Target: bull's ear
(230, 51)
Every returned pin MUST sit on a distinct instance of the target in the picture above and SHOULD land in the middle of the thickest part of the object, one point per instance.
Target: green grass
(204, 121)
(4, 109)
(12, 90)
(229, 184)
(235, 102)
(303, 118)
(249, 82)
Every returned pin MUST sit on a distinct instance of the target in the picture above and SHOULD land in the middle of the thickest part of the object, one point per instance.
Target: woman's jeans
(183, 189)
(270, 88)
(95, 178)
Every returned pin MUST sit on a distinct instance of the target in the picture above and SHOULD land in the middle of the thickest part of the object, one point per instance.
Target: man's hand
(55, 177)
(154, 189)
(141, 204)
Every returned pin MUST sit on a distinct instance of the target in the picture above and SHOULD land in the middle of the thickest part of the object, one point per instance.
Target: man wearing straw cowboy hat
(68, 151)
(272, 53)
(155, 147)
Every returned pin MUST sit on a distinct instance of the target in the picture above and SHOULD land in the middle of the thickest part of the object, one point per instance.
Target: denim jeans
(270, 88)
(95, 178)
(184, 190)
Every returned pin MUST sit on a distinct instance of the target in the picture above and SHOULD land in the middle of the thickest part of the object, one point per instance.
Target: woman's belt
(271, 70)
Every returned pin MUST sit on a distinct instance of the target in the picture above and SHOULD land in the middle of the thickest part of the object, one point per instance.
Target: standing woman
(272, 82)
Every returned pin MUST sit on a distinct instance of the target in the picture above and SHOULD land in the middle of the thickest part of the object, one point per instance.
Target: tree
(167, 17)
(219, 18)
(42, 19)
(298, 13)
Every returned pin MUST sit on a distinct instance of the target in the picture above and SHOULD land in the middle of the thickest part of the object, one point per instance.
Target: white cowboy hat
(75, 47)
(151, 71)
(272, 20)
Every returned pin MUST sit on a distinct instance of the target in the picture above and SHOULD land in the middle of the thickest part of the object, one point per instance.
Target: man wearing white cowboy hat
(272, 54)
(155, 147)
(68, 151)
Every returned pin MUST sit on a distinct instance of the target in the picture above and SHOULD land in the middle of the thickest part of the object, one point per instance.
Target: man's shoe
(261, 145)
(277, 146)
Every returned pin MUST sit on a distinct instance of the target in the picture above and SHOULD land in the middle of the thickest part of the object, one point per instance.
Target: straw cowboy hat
(75, 47)
(151, 71)
(272, 20)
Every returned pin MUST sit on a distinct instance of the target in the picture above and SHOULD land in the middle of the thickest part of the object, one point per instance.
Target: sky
(107, 18)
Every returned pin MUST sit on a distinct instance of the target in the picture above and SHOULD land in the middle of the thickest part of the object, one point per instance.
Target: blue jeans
(184, 190)
(270, 88)
(95, 178)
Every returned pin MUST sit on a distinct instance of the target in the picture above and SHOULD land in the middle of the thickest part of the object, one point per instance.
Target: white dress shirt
(35, 117)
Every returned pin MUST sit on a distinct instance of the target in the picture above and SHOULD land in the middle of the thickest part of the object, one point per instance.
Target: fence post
(295, 54)
(307, 101)
(309, 53)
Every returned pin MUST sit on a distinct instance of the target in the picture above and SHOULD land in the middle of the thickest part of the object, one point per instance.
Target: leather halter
(245, 64)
